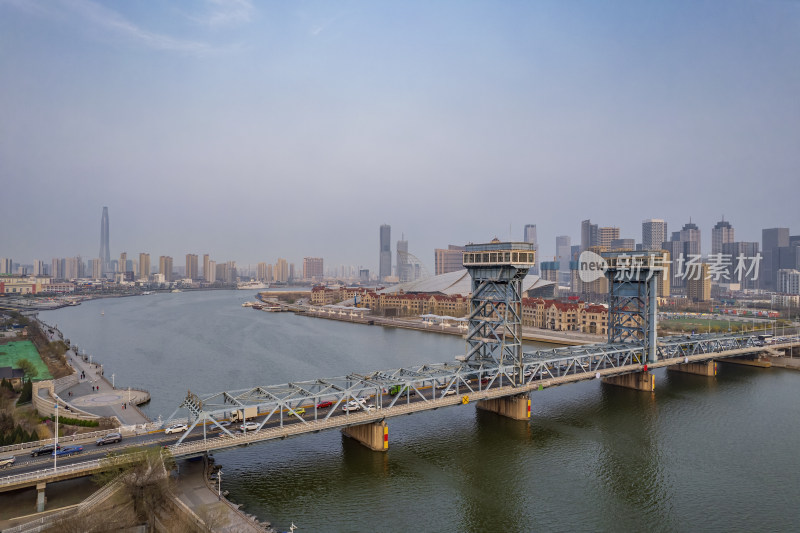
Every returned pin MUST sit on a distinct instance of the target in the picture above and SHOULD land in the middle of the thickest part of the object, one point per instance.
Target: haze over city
(256, 131)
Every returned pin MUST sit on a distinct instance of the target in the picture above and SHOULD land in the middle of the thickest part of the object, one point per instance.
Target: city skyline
(259, 131)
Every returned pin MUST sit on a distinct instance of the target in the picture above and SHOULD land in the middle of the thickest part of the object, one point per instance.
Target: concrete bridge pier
(514, 407)
(374, 435)
(700, 368)
(41, 499)
(643, 381)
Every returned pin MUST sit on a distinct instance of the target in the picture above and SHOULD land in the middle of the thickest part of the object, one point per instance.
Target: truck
(245, 413)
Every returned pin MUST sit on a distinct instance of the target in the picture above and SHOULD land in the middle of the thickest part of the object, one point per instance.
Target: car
(352, 405)
(224, 423)
(449, 392)
(109, 439)
(67, 450)
(176, 428)
(323, 405)
(248, 426)
(5, 462)
(46, 449)
(300, 411)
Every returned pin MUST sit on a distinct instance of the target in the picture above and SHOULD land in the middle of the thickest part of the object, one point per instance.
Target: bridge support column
(374, 436)
(643, 381)
(41, 499)
(700, 368)
(515, 407)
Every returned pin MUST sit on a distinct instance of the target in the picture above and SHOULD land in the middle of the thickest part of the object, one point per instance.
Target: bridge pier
(374, 435)
(514, 407)
(699, 368)
(41, 499)
(643, 381)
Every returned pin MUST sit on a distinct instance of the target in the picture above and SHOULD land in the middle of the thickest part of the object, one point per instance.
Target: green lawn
(14, 351)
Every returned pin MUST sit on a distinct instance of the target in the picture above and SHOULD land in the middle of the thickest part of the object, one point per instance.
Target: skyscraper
(721, 233)
(771, 240)
(690, 237)
(654, 233)
(588, 234)
(529, 235)
(312, 268)
(105, 251)
(191, 267)
(563, 244)
(165, 267)
(123, 262)
(449, 260)
(403, 266)
(144, 266)
(282, 270)
(7, 266)
(605, 236)
(385, 262)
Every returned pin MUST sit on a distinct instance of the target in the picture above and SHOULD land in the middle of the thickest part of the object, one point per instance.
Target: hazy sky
(258, 130)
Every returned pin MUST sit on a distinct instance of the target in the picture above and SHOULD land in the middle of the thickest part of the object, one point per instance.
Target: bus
(766, 338)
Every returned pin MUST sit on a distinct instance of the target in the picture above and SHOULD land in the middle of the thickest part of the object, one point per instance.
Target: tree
(28, 368)
(144, 476)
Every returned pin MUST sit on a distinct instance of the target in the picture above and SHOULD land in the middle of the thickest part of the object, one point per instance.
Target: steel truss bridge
(292, 408)
(419, 388)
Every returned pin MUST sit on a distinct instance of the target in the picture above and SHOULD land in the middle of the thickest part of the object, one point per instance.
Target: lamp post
(55, 445)
(219, 484)
(113, 386)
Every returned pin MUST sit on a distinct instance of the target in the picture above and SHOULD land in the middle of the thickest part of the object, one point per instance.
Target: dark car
(47, 449)
(109, 439)
(67, 450)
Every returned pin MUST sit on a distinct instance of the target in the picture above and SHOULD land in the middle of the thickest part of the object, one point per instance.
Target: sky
(259, 130)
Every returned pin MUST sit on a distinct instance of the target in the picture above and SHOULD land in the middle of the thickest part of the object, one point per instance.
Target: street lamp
(219, 484)
(113, 386)
(55, 445)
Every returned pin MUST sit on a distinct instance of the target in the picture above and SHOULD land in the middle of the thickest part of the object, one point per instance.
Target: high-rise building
(589, 235)
(282, 271)
(748, 252)
(618, 245)
(405, 269)
(105, 251)
(6, 266)
(261, 272)
(385, 259)
(698, 286)
(122, 265)
(74, 268)
(654, 233)
(210, 273)
(529, 235)
(291, 273)
(563, 253)
(165, 267)
(38, 268)
(675, 250)
(550, 271)
(206, 277)
(96, 268)
(788, 281)
(312, 268)
(449, 260)
(144, 266)
(771, 240)
(270, 274)
(605, 236)
(690, 237)
(191, 267)
(721, 233)
(57, 268)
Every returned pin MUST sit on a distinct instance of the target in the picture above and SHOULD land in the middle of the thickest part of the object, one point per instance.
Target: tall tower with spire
(105, 252)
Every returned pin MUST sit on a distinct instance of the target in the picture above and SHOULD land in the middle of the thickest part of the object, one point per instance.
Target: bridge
(496, 374)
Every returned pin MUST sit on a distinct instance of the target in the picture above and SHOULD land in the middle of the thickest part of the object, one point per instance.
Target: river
(711, 454)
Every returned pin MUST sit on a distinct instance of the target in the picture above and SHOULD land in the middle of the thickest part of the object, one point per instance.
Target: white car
(5, 462)
(248, 426)
(176, 428)
(449, 392)
(352, 405)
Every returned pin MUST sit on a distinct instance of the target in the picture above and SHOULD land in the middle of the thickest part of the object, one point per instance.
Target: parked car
(176, 428)
(67, 450)
(248, 426)
(109, 439)
(46, 449)
(323, 405)
(5, 462)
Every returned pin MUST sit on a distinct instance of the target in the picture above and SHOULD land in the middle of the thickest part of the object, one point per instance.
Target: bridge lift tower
(632, 297)
(497, 268)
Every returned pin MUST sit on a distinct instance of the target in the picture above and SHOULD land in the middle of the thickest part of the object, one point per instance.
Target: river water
(710, 454)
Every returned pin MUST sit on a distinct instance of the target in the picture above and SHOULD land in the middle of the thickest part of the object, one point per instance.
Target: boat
(252, 285)
(102, 313)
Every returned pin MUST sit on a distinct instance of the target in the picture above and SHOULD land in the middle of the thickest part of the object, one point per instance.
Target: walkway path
(104, 401)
